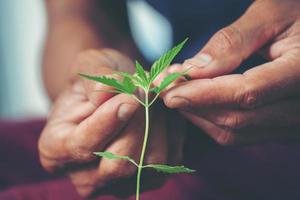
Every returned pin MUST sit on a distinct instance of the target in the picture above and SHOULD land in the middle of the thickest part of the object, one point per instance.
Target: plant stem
(153, 100)
(140, 166)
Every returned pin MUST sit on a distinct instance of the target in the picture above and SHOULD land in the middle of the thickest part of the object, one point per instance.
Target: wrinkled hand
(261, 104)
(83, 121)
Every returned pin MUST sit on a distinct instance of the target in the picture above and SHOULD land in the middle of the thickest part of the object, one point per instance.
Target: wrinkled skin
(83, 121)
(262, 104)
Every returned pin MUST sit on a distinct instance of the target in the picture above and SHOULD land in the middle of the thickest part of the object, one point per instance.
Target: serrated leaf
(170, 169)
(141, 73)
(167, 81)
(139, 82)
(123, 87)
(110, 155)
(136, 80)
(165, 60)
(128, 85)
(104, 80)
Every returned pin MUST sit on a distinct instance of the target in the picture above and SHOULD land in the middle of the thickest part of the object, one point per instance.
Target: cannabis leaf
(126, 86)
(110, 155)
(165, 60)
(136, 79)
(143, 80)
(170, 169)
(141, 73)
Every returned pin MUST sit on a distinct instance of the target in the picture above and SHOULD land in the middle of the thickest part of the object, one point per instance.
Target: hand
(261, 104)
(83, 121)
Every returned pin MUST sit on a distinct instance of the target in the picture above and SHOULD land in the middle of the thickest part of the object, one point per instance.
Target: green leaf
(104, 80)
(123, 87)
(128, 85)
(136, 80)
(141, 73)
(110, 155)
(170, 169)
(167, 81)
(165, 60)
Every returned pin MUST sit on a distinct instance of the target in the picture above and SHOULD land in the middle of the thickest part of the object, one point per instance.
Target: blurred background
(23, 26)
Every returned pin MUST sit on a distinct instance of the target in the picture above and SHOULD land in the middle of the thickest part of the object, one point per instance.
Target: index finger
(260, 85)
(94, 132)
(100, 62)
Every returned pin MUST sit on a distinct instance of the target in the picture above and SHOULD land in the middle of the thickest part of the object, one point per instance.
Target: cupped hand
(84, 120)
(263, 103)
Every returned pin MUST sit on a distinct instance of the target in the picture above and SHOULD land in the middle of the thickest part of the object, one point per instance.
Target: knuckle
(225, 138)
(228, 39)
(79, 151)
(249, 98)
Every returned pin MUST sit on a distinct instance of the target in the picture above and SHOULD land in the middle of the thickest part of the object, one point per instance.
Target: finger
(225, 51)
(280, 114)
(164, 74)
(167, 72)
(101, 62)
(98, 129)
(257, 86)
(225, 136)
(221, 136)
(94, 62)
(69, 109)
(129, 143)
(85, 180)
(95, 91)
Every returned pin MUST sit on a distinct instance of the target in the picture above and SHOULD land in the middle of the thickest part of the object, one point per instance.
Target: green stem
(140, 101)
(153, 100)
(140, 166)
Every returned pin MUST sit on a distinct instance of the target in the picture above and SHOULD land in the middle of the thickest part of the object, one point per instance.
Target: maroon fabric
(265, 171)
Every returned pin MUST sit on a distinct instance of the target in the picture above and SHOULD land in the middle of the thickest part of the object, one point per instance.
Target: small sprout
(143, 80)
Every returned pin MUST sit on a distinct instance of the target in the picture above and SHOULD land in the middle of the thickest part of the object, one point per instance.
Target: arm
(77, 25)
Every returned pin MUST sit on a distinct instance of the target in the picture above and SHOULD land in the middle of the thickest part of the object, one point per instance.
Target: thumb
(225, 51)
(95, 91)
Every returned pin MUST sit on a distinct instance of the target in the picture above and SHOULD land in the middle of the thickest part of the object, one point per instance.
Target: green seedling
(143, 80)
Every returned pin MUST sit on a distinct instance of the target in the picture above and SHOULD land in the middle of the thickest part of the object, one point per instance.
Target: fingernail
(176, 102)
(126, 111)
(200, 61)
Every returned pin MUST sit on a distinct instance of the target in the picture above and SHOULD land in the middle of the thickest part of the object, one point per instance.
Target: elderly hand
(83, 121)
(261, 104)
